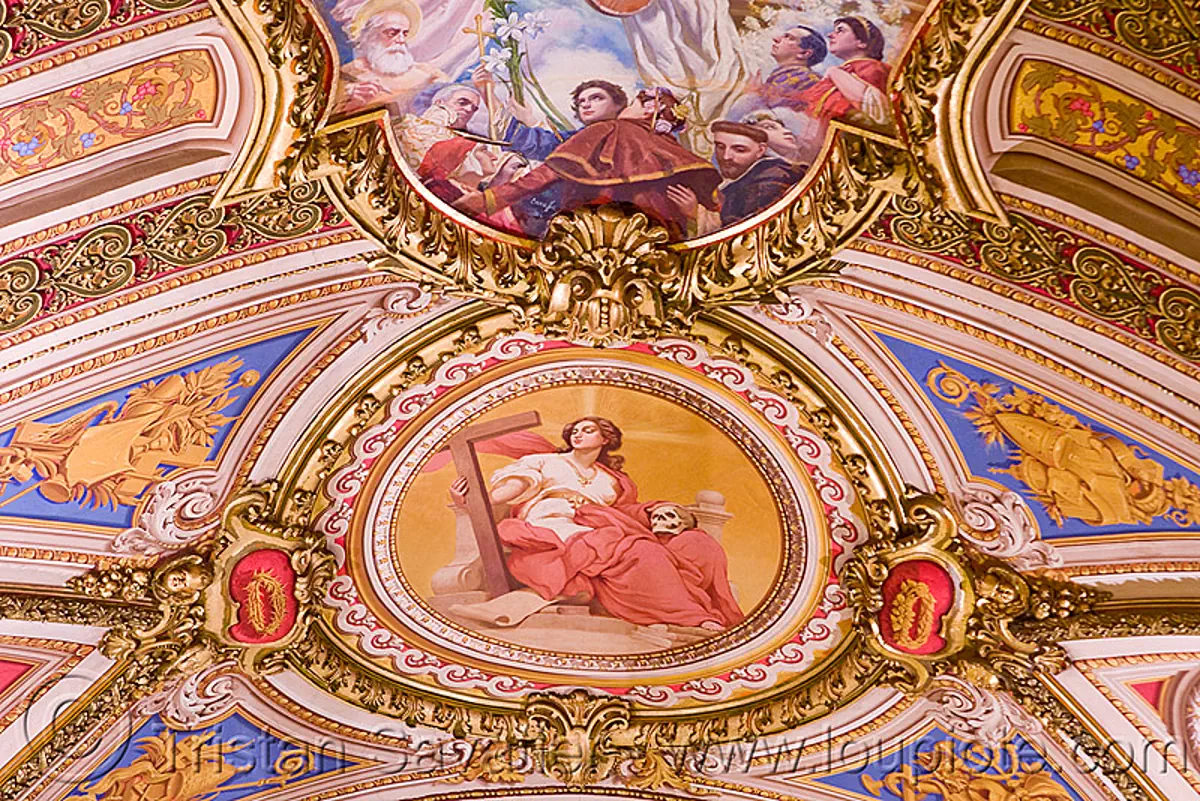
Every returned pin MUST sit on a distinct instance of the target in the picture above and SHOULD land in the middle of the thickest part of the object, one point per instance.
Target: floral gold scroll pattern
(33, 27)
(150, 244)
(1057, 264)
(1056, 104)
(76, 122)
(950, 773)
(1166, 32)
(1072, 470)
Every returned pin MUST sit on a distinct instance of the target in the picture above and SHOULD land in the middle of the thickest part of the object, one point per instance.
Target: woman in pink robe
(576, 528)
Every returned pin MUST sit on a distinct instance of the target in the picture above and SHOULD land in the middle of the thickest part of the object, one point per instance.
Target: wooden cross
(496, 578)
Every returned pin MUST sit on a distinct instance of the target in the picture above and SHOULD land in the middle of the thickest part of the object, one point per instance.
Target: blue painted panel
(984, 458)
(261, 358)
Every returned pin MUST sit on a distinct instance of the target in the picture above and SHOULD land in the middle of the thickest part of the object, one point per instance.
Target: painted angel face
(666, 519)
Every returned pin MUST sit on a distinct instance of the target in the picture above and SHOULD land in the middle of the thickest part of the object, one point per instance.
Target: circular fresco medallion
(543, 512)
(702, 115)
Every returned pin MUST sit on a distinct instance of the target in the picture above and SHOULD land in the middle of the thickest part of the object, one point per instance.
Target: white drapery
(692, 48)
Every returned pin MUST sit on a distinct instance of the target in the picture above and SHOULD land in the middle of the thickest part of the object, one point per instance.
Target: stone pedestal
(710, 513)
(464, 573)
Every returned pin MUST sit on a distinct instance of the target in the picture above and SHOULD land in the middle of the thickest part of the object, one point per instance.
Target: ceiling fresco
(581, 399)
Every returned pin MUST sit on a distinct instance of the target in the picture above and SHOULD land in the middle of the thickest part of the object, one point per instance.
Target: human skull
(670, 519)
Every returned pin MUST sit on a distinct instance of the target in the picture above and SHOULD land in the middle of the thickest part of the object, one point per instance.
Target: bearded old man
(384, 71)
(448, 160)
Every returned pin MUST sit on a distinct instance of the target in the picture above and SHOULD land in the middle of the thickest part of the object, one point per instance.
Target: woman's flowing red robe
(635, 574)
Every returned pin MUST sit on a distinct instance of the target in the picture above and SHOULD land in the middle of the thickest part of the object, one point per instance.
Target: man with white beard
(384, 72)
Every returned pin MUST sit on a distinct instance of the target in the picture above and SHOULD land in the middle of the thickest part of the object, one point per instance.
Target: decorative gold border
(208, 324)
(945, 232)
(1006, 343)
(1088, 667)
(1142, 66)
(75, 653)
(148, 27)
(356, 563)
(291, 140)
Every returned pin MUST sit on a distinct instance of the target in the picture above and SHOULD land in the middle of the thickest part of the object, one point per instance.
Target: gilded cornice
(1006, 343)
(933, 158)
(1165, 750)
(1160, 72)
(71, 655)
(149, 245)
(1166, 32)
(138, 203)
(179, 334)
(49, 751)
(38, 28)
(1032, 301)
(1054, 265)
(64, 54)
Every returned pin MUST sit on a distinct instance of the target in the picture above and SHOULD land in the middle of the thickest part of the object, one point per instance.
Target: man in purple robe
(796, 51)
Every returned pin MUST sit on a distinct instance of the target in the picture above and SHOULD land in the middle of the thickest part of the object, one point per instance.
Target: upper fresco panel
(702, 115)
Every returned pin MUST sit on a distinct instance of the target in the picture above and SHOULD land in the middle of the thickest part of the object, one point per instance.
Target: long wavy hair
(612, 440)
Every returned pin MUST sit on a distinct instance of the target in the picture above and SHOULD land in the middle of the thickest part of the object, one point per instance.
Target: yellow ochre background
(670, 452)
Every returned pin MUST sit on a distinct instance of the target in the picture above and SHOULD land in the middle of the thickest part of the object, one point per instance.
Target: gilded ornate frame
(932, 159)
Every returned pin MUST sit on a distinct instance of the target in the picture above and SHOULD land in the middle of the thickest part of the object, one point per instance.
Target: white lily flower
(536, 22)
(496, 62)
(511, 28)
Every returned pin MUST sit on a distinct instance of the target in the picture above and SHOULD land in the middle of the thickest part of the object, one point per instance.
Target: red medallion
(916, 597)
(263, 585)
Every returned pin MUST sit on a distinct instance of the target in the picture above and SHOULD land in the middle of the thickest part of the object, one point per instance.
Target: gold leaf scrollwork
(911, 614)
(113, 256)
(574, 735)
(976, 773)
(1167, 31)
(30, 26)
(97, 264)
(188, 234)
(1058, 264)
(282, 215)
(19, 300)
(39, 22)
(607, 275)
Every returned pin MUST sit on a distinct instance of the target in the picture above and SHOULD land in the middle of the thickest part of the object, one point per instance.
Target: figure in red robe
(855, 90)
(631, 159)
(576, 529)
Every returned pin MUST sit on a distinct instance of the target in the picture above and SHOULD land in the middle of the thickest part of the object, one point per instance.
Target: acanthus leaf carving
(150, 244)
(977, 714)
(999, 524)
(191, 701)
(174, 513)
